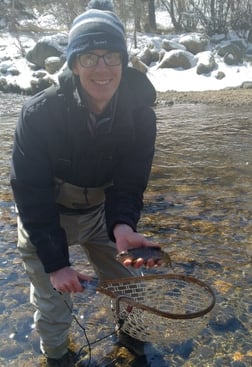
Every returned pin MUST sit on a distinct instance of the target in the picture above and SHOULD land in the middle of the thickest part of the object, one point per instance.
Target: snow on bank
(188, 80)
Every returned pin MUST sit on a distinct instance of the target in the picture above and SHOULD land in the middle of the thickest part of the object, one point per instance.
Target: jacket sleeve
(33, 187)
(124, 199)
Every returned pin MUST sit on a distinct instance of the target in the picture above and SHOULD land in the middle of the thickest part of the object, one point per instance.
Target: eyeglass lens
(110, 59)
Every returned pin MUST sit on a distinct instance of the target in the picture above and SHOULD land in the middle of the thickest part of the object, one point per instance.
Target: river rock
(178, 59)
(194, 43)
(169, 45)
(247, 85)
(220, 75)
(139, 65)
(46, 47)
(54, 64)
(232, 53)
(206, 62)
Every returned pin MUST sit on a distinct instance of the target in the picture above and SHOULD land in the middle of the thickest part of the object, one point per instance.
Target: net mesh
(168, 307)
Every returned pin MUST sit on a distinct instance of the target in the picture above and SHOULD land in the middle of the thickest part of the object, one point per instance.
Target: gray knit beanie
(96, 29)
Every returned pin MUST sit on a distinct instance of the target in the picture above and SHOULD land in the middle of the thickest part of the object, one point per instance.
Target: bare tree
(213, 14)
(241, 18)
(172, 7)
(67, 10)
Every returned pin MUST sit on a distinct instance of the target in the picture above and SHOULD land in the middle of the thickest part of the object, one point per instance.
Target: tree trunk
(176, 24)
(152, 15)
(137, 18)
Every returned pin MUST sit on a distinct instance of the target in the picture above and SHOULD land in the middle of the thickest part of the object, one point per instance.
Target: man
(81, 162)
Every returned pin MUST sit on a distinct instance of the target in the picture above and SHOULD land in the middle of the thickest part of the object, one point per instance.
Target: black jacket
(52, 139)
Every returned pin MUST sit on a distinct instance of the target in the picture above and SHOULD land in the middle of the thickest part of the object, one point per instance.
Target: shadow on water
(198, 206)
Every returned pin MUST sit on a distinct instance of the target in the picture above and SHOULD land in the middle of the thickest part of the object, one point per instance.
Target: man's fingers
(142, 256)
(135, 263)
(150, 263)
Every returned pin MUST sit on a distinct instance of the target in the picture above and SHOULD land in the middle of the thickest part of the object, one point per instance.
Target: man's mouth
(102, 82)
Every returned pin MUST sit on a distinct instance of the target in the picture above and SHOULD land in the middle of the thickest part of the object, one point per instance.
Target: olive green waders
(52, 317)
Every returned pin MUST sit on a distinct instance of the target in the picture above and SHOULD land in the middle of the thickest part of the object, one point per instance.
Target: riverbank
(229, 97)
(226, 97)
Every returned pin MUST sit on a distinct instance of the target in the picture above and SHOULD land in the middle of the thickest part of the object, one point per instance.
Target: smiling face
(99, 82)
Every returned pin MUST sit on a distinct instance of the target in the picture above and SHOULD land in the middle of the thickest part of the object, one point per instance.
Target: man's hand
(67, 280)
(127, 239)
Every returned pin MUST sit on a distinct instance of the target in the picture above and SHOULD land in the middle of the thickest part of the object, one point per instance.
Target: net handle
(153, 310)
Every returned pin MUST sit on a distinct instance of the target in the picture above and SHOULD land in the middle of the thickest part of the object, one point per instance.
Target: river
(198, 206)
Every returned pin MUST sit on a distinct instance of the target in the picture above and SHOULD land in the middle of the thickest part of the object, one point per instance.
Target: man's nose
(101, 62)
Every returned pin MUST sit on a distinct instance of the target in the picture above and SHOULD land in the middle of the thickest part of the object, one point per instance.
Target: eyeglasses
(89, 60)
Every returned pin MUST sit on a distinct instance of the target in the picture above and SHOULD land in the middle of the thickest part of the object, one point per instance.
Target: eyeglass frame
(98, 57)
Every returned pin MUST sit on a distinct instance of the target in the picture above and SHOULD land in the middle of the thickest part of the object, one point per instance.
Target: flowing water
(198, 206)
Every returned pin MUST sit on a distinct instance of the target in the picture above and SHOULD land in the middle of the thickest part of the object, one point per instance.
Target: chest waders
(75, 199)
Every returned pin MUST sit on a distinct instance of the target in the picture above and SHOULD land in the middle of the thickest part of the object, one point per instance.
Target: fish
(145, 253)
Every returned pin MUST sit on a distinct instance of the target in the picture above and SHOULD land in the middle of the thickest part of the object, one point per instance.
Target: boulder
(13, 70)
(5, 66)
(139, 65)
(231, 58)
(46, 47)
(145, 56)
(154, 54)
(38, 85)
(248, 58)
(169, 45)
(247, 85)
(9, 87)
(232, 53)
(39, 74)
(54, 64)
(194, 43)
(162, 53)
(177, 59)
(3, 84)
(220, 75)
(206, 62)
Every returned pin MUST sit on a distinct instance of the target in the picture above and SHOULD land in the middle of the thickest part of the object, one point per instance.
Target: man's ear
(74, 68)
